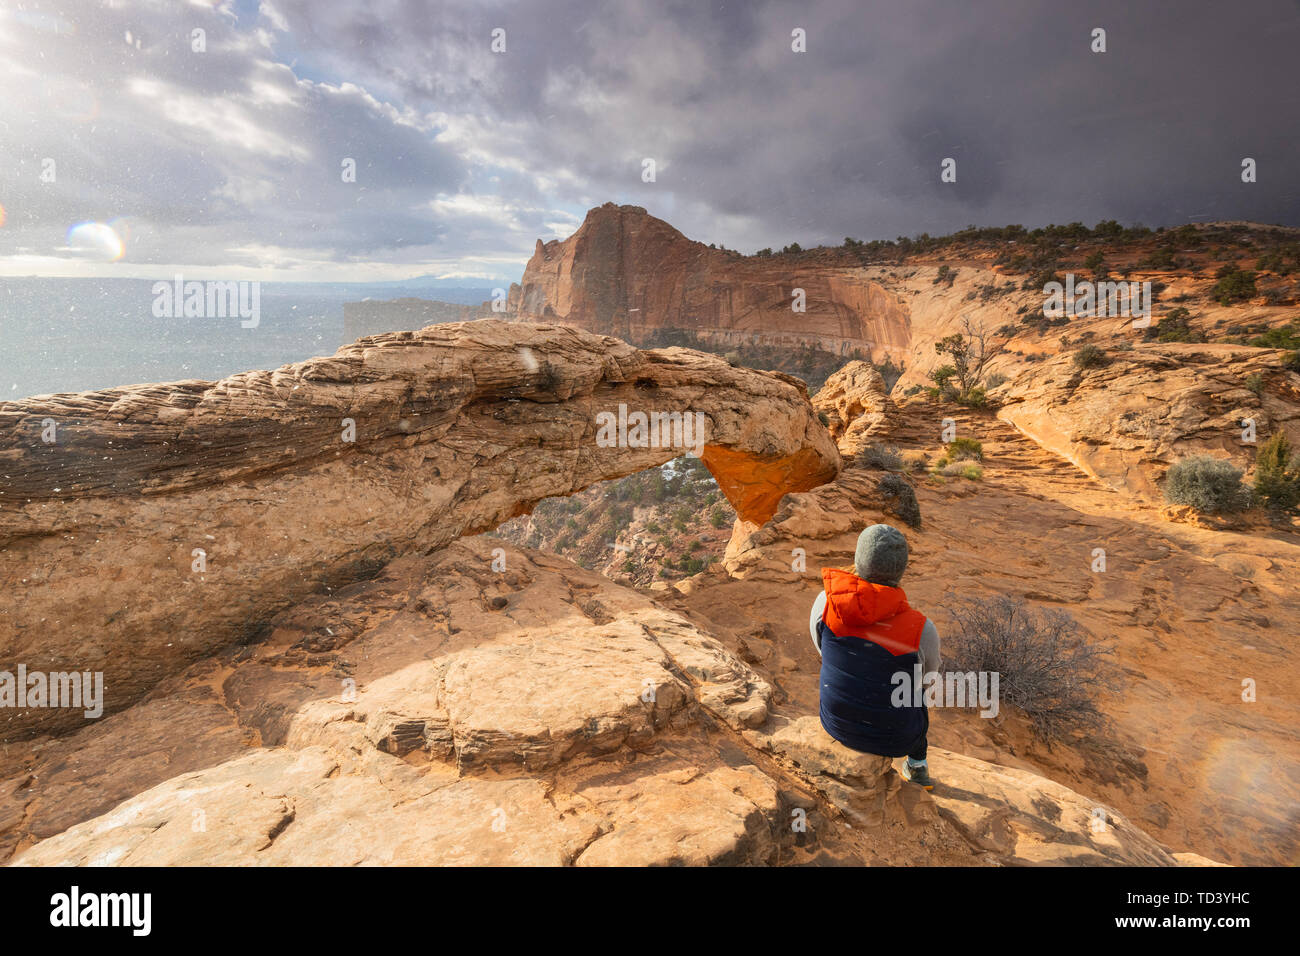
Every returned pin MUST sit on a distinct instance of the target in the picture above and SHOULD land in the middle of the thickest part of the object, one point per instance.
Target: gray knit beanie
(881, 557)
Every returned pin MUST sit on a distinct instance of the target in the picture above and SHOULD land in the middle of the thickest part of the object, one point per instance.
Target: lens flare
(96, 240)
(2, 214)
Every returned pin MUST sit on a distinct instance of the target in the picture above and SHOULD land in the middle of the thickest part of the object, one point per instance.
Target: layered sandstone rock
(626, 273)
(1125, 422)
(1190, 613)
(166, 521)
(857, 405)
(510, 708)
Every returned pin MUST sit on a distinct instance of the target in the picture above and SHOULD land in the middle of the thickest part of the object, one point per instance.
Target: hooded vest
(868, 634)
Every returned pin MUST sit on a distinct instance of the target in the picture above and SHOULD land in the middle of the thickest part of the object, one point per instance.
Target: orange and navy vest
(868, 634)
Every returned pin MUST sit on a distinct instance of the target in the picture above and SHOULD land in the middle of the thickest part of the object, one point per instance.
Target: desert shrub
(1281, 337)
(824, 418)
(1277, 474)
(1094, 260)
(1255, 383)
(977, 397)
(994, 380)
(1040, 278)
(957, 469)
(1047, 665)
(1089, 357)
(963, 448)
(1175, 327)
(916, 461)
(718, 518)
(1291, 361)
(1207, 484)
(900, 499)
(1234, 285)
(880, 457)
(1160, 259)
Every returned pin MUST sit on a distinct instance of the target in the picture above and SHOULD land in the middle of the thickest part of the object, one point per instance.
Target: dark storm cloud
(755, 144)
(848, 137)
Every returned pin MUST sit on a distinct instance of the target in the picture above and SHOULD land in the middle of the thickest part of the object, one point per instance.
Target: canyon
(325, 641)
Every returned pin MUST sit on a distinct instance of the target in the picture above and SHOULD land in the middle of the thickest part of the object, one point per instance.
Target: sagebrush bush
(1089, 357)
(962, 448)
(900, 499)
(880, 457)
(1207, 484)
(1047, 665)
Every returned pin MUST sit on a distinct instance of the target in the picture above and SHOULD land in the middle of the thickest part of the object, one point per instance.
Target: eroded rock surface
(1127, 421)
(574, 722)
(167, 521)
(858, 406)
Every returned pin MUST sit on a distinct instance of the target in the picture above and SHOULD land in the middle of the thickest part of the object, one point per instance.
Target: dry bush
(1048, 666)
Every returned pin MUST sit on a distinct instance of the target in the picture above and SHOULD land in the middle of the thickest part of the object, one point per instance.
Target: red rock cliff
(626, 273)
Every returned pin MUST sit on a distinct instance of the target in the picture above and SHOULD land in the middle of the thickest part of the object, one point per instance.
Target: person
(867, 634)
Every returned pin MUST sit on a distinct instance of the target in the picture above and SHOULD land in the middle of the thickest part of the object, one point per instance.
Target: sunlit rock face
(143, 527)
(628, 273)
(531, 714)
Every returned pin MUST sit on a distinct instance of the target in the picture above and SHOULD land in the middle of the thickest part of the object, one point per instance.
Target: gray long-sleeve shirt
(929, 636)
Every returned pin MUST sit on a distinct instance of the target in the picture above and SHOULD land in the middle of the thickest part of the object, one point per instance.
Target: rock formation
(313, 655)
(531, 714)
(857, 405)
(1125, 422)
(627, 273)
(1189, 613)
(163, 522)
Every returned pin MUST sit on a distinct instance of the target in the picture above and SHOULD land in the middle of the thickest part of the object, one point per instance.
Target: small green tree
(971, 351)
(943, 387)
(1277, 474)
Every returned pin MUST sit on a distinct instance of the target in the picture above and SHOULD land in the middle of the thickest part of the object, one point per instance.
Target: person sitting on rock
(866, 634)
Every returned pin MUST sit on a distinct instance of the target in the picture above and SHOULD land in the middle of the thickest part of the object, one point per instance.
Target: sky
(132, 146)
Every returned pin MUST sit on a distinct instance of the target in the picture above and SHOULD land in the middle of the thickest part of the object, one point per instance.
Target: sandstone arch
(459, 427)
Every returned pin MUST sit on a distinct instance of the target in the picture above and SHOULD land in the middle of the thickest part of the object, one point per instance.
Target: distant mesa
(628, 274)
